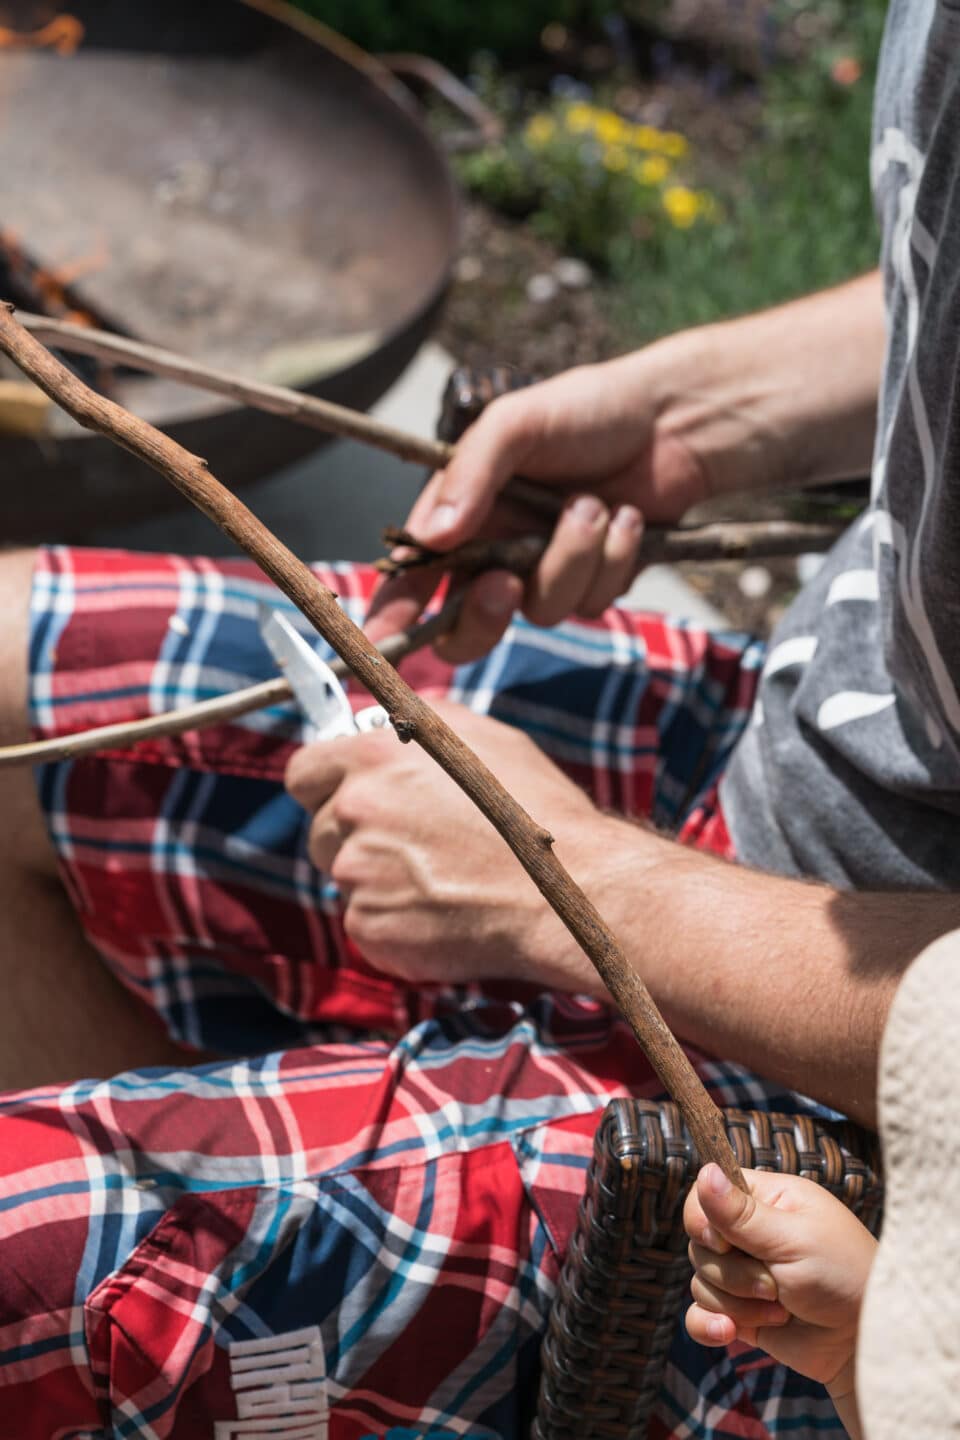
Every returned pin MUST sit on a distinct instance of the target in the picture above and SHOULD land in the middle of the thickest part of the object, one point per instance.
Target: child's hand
(783, 1268)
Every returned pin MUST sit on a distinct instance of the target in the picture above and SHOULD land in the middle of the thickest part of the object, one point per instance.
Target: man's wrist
(783, 397)
(707, 393)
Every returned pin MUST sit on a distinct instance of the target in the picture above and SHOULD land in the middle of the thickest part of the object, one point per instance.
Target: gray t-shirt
(850, 768)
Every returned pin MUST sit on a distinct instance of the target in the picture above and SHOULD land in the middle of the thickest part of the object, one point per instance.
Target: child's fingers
(699, 1228)
(708, 1328)
(752, 1314)
(735, 1273)
(742, 1220)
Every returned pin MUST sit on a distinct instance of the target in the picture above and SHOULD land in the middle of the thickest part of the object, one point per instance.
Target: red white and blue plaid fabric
(186, 860)
(376, 1230)
(339, 1239)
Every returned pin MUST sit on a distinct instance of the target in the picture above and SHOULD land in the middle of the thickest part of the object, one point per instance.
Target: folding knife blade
(319, 692)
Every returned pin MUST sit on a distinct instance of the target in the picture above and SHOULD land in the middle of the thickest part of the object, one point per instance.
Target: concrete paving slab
(663, 589)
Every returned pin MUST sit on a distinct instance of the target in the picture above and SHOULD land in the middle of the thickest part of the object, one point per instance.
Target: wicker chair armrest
(626, 1274)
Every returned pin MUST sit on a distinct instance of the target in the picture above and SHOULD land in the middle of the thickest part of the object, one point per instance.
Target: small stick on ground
(411, 717)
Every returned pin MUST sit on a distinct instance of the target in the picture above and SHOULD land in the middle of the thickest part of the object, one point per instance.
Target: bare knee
(16, 580)
(23, 839)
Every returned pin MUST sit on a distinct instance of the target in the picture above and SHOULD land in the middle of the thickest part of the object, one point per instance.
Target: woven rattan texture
(626, 1276)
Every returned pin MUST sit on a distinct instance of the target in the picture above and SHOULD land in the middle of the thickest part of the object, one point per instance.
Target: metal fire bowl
(228, 180)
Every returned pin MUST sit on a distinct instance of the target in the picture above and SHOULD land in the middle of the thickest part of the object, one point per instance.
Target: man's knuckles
(375, 930)
(327, 834)
(314, 772)
(402, 942)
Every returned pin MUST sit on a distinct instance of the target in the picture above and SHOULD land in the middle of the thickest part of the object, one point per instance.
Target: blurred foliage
(591, 182)
(682, 237)
(449, 30)
(798, 216)
(795, 216)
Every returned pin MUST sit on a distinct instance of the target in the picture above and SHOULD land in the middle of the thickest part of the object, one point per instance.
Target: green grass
(797, 218)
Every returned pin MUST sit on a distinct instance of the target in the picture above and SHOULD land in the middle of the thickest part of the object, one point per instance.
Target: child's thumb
(742, 1219)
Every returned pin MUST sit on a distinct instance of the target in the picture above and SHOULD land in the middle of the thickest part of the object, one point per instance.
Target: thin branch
(721, 540)
(217, 711)
(275, 399)
(739, 540)
(410, 716)
(767, 537)
(519, 554)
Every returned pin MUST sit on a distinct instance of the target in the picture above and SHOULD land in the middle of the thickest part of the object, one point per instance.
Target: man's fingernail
(765, 1287)
(716, 1328)
(718, 1182)
(439, 521)
(627, 518)
(587, 509)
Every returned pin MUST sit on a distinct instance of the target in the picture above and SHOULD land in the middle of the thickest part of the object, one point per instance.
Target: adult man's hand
(787, 397)
(431, 890)
(594, 435)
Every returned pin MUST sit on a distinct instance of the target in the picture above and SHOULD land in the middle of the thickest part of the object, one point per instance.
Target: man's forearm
(792, 979)
(786, 397)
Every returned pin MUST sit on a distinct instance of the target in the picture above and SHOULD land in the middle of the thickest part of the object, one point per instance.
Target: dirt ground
(490, 319)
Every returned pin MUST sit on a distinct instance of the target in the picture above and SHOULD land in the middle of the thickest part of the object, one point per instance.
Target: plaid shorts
(186, 860)
(334, 1239)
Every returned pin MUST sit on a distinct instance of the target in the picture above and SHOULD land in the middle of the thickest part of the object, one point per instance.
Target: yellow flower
(652, 170)
(645, 137)
(615, 158)
(580, 117)
(682, 205)
(610, 129)
(540, 130)
(674, 145)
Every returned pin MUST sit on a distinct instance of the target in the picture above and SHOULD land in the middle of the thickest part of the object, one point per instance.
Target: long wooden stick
(720, 541)
(275, 399)
(216, 711)
(519, 554)
(410, 716)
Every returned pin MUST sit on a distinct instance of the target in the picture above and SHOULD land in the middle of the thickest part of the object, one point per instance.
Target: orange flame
(50, 286)
(64, 34)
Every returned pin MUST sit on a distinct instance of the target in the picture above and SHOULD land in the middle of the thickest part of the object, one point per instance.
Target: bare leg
(63, 1016)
